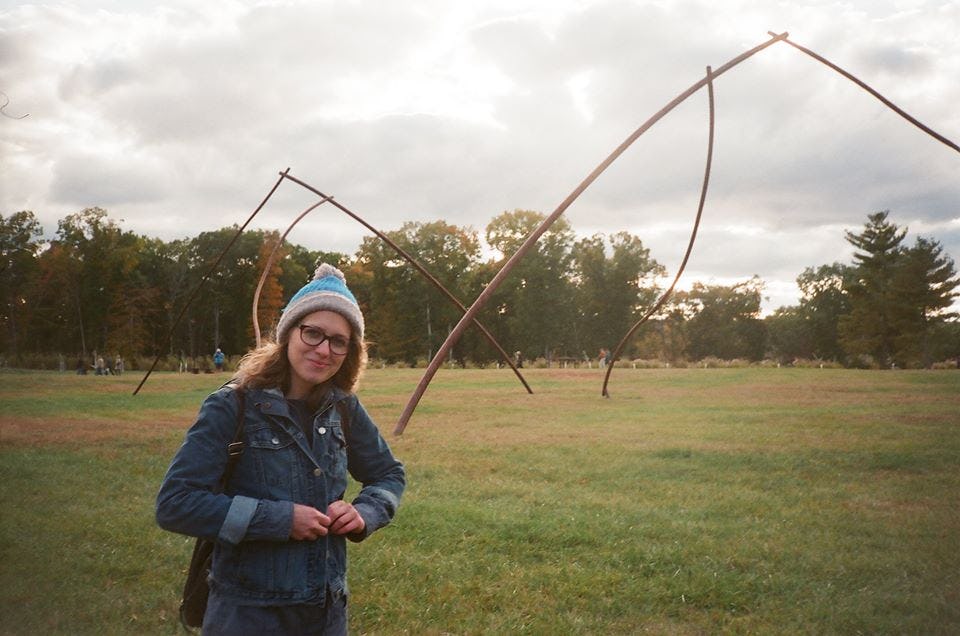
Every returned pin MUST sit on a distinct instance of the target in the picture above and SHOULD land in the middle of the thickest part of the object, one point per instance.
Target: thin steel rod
(886, 102)
(693, 237)
(420, 268)
(482, 299)
(213, 267)
(266, 268)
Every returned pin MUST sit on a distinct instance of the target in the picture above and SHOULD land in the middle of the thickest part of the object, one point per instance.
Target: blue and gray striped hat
(327, 291)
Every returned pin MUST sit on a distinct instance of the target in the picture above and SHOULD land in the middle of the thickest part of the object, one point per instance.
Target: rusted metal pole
(886, 102)
(693, 237)
(206, 276)
(420, 268)
(266, 268)
(482, 299)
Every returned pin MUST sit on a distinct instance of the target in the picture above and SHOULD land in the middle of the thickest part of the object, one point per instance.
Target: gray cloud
(177, 117)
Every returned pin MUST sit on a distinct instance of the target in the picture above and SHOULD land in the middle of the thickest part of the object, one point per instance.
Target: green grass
(692, 501)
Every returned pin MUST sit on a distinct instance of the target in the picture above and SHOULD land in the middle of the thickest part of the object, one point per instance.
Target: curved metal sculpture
(420, 268)
(693, 237)
(471, 313)
(886, 102)
(536, 234)
(269, 265)
(213, 267)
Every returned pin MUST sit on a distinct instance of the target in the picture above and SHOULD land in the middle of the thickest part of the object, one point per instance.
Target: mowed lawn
(693, 501)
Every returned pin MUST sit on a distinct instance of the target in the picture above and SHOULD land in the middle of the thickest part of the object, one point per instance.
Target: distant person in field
(218, 359)
(281, 524)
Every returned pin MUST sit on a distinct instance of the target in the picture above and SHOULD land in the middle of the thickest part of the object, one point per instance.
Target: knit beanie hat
(327, 291)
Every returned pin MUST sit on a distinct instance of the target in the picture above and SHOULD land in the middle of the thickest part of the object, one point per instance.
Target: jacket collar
(272, 402)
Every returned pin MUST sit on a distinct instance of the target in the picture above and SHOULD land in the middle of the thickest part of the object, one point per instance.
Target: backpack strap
(235, 448)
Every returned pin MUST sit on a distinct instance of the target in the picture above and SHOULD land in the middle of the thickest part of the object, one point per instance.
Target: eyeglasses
(314, 337)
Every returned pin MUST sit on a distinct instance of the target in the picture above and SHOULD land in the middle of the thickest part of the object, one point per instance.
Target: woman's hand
(344, 518)
(309, 524)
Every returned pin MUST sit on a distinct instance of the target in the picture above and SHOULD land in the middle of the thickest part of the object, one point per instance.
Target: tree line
(96, 287)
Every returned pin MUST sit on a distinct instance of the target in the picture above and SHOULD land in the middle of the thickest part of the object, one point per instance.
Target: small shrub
(946, 364)
(644, 363)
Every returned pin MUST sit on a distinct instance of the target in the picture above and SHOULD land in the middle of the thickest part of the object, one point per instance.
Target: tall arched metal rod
(537, 233)
(420, 268)
(266, 268)
(213, 267)
(703, 192)
(886, 102)
(693, 237)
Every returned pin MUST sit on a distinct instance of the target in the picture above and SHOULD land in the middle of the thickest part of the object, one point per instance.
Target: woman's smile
(311, 365)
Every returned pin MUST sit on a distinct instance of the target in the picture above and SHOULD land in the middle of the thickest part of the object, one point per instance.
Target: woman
(279, 565)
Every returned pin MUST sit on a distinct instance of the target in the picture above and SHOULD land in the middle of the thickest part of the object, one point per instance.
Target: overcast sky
(177, 116)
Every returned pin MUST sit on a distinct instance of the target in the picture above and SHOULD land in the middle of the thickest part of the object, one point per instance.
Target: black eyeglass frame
(333, 342)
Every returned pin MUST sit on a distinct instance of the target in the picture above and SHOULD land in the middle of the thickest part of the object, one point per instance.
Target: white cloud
(177, 117)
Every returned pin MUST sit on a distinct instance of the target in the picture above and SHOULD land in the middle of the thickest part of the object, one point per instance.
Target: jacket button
(322, 430)
(317, 472)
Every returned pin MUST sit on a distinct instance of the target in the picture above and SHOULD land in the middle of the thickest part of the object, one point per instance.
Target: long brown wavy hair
(267, 366)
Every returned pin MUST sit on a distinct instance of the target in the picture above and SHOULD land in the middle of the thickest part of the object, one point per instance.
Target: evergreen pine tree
(870, 328)
(923, 285)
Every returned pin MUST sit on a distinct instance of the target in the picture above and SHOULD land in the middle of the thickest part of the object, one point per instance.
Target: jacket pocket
(273, 454)
(268, 569)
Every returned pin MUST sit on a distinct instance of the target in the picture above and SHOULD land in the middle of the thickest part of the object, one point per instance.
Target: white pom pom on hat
(327, 291)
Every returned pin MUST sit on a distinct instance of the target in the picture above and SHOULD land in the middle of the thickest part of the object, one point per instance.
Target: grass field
(755, 501)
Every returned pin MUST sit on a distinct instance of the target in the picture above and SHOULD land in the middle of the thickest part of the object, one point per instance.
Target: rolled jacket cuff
(235, 525)
(371, 522)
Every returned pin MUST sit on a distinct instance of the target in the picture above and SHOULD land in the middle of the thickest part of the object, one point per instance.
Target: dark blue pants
(226, 619)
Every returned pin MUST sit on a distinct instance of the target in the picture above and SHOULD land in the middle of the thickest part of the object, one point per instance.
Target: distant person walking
(218, 359)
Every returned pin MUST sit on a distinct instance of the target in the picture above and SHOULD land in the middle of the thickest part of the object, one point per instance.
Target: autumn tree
(725, 321)
(410, 317)
(271, 300)
(613, 287)
(164, 269)
(823, 301)
(221, 315)
(300, 263)
(535, 303)
(789, 335)
(56, 314)
(19, 245)
(810, 329)
(106, 258)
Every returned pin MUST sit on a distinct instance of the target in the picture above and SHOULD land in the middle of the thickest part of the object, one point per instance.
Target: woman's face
(313, 365)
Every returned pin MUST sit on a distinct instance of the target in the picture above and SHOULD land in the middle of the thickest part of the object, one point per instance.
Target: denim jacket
(255, 562)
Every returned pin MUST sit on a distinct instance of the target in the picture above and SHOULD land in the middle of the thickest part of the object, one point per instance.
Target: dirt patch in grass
(35, 431)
